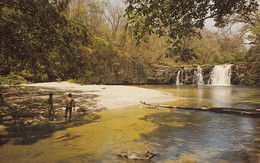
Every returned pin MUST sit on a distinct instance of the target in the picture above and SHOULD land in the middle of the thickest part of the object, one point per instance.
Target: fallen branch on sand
(236, 111)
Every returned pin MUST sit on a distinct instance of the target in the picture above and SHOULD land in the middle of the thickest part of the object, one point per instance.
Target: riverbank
(107, 96)
(27, 103)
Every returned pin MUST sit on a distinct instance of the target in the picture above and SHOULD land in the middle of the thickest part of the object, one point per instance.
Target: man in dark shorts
(69, 102)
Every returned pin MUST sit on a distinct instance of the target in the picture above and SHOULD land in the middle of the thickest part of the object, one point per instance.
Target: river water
(176, 135)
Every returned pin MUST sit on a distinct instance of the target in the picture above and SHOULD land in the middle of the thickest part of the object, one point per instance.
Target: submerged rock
(137, 155)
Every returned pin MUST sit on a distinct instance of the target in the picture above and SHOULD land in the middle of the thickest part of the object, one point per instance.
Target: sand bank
(111, 96)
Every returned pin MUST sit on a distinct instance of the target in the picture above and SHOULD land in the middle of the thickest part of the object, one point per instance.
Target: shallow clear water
(216, 96)
(177, 135)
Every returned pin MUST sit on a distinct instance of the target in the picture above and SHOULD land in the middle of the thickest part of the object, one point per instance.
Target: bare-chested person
(69, 102)
(51, 109)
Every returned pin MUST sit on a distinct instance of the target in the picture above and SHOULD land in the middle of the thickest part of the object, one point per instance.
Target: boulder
(137, 155)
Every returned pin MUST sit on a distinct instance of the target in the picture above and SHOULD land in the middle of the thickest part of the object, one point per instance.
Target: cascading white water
(179, 77)
(220, 75)
(199, 76)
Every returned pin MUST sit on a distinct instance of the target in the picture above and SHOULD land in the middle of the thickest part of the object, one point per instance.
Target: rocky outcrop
(246, 74)
(168, 74)
(242, 74)
(206, 72)
(161, 75)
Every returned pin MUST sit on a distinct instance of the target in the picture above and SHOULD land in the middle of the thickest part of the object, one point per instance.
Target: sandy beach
(28, 103)
(109, 96)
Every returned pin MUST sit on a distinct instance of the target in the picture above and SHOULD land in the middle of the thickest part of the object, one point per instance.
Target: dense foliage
(91, 41)
(35, 38)
(180, 19)
(39, 43)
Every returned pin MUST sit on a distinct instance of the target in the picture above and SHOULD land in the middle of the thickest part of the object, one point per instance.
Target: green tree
(179, 19)
(29, 31)
(38, 42)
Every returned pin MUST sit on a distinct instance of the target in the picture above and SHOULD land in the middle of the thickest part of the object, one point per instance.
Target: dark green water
(177, 135)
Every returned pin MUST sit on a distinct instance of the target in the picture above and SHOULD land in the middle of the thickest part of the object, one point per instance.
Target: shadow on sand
(29, 134)
(30, 102)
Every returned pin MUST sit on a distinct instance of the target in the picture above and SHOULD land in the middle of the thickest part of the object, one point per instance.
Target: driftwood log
(236, 111)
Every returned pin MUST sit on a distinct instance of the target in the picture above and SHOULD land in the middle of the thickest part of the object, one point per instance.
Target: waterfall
(199, 76)
(220, 75)
(179, 77)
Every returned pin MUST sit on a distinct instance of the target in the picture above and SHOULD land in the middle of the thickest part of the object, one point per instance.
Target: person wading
(69, 102)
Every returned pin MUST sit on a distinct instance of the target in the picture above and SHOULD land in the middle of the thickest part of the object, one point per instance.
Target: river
(176, 135)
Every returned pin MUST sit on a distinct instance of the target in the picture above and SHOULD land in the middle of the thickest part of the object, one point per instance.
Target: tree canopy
(179, 19)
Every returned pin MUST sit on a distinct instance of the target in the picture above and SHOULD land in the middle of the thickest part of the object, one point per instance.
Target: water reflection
(221, 97)
(208, 95)
(204, 137)
(200, 97)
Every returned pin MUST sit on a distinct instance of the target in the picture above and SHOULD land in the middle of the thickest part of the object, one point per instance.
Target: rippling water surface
(177, 135)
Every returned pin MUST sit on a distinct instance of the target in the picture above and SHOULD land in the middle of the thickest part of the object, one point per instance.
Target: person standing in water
(69, 102)
(51, 108)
